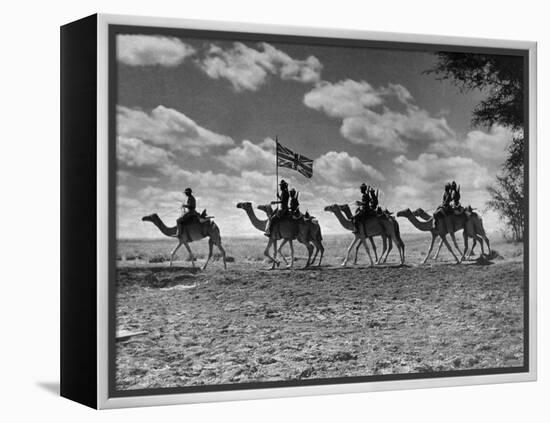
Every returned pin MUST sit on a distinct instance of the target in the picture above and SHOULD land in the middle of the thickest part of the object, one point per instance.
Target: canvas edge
(103, 400)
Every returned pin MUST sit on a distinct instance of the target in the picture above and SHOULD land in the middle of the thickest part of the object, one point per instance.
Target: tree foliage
(507, 194)
(501, 78)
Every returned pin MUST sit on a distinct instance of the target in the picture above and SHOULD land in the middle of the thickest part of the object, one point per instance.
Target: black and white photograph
(298, 210)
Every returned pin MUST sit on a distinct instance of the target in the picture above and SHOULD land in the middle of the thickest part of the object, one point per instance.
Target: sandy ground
(248, 324)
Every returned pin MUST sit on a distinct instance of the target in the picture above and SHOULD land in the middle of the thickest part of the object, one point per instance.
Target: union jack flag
(288, 158)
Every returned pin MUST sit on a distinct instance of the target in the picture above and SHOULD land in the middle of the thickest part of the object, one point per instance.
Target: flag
(288, 158)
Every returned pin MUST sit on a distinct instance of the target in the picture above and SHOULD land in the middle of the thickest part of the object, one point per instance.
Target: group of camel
(308, 233)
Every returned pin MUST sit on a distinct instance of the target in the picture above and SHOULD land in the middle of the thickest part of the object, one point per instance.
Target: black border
(78, 217)
(114, 29)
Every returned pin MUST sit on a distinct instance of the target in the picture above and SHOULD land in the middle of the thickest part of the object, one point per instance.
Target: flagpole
(277, 167)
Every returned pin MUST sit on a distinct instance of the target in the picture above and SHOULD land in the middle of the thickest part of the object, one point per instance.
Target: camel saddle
(457, 211)
(203, 217)
(384, 214)
(305, 217)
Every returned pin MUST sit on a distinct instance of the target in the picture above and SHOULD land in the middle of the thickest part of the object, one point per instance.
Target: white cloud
(343, 99)
(248, 68)
(168, 128)
(250, 156)
(432, 170)
(147, 50)
(341, 168)
(134, 153)
(366, 119)
(489, 147)
(492, 145)
(393, 131)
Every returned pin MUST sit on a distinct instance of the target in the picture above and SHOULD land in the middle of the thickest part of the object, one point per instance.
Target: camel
(372, 227)
(193, 231)
(256, 222)
(308, 233)
(259, 224)
(386, 248)
(458, 223)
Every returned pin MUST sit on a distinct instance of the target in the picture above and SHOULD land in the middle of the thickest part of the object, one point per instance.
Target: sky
(203, 113)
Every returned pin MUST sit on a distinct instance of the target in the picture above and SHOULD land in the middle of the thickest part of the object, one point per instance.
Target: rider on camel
(191, 212)
(284, 196)
(455, 197)
(294, 204)
(373, 199)
(363, 207)
(445, 207)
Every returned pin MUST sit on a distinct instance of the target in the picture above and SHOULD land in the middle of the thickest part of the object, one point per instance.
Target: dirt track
(249, 325)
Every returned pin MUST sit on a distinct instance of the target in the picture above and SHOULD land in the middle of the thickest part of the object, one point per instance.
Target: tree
(501, 77)
(508, 191)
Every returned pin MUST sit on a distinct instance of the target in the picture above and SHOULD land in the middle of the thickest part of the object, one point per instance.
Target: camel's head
(418, 212)
(343, 207)
(244, 205)
(404, 213)
(331, 208)
(266, 208)
(149, 218)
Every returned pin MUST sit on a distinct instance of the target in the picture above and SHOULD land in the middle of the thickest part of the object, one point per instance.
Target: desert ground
(249, 324)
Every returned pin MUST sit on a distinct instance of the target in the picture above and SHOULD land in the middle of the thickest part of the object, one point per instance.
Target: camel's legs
(190, 253)
(398, 243)
(274, 254)
(356, 253)
(478, 238)
(173, 253)
(479, 230)
(309, 247)
(349, 250)
(430, 249)
(291, 253)
(486, 240)
(364, 242)
(401, 249)
(472, 249)
(316, 247)
(281, 251)
(444, 237)
(453, 238)
(266, 251)
(438, 249)
(222, 250)
(210, 248)
(465, 246)
(371, 239)
(320, 248)
(390, 246)
(384, 250)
